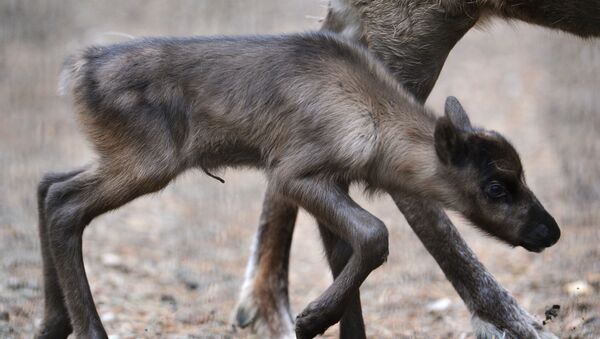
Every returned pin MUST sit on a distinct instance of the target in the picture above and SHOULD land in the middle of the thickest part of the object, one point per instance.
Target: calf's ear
(450, 145)
(456, 114)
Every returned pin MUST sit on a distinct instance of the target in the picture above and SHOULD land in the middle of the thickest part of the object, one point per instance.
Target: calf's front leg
(363, 232)
(495, 312)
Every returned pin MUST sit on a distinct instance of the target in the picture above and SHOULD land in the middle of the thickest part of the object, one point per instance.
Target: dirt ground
(170, 265)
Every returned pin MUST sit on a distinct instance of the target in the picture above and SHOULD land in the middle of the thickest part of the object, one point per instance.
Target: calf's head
(487, 184)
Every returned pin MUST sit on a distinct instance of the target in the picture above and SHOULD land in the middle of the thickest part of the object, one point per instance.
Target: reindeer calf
(317, 113)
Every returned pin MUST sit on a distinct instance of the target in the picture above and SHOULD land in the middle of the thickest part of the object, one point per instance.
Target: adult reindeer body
(413, 39)
(317, 113)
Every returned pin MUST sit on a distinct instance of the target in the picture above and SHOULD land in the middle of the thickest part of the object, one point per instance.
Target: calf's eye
(495, 190)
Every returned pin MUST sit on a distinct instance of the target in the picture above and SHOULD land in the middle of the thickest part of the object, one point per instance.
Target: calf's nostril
(540, 231)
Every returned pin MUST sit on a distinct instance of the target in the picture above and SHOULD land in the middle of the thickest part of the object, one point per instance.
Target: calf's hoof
(263, 315)
(312, 321)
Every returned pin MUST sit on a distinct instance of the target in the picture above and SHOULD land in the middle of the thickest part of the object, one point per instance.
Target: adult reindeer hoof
(528, 328)
(263, 316)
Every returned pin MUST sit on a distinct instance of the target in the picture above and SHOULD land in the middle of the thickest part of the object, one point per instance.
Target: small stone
(579, 287)
(111, 260)
(108, 317)
(169, 299)
(192, 286)
(4, 316)
(193, 317)
(14, 283)
(551, 313)
(439, 305)
(187, 279)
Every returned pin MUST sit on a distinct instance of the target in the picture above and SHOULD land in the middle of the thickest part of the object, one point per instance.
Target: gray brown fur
(315, 112)
(413, 38)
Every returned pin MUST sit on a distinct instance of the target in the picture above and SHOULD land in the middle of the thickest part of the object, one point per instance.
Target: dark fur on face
(490, 171)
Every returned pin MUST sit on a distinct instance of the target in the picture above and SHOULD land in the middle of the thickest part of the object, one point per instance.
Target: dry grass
(170, 265)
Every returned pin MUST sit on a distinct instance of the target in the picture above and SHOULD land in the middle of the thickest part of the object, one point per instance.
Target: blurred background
(170, 265)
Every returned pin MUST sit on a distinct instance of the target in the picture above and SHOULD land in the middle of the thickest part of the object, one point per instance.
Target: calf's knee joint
(374, 244)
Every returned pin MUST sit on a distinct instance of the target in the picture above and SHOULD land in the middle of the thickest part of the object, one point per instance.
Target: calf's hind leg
(70, 206)
(264, 304)
(366, 235)
(338, 253)
(56, 323)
